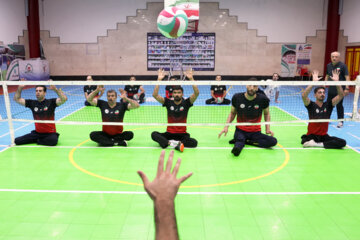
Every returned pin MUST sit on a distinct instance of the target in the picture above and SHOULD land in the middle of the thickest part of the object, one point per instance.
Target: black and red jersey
(249, 111)
(131, 90)
(317, 112)
(115, 114)
(44, 110)
(218, 90)
(177, 114)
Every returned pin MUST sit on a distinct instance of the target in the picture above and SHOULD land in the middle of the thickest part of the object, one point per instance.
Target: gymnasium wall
(77, 42)
(12, 20)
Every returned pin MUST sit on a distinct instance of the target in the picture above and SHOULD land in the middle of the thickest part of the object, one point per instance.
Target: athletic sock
(312, 143)
(173, 143)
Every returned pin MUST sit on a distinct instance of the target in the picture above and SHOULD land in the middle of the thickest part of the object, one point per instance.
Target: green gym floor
(79, 191)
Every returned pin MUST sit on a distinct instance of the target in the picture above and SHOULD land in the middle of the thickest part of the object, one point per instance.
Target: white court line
(353, 136)
(142, 147)
(181, 193)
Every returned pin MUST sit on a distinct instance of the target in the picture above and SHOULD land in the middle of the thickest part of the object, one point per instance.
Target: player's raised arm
(190, 75)
(17, 96)
(335, 77)
(62, 98)
(91, 98)
(161, 76)
(132, 103)
(162, 190)
(305, 94)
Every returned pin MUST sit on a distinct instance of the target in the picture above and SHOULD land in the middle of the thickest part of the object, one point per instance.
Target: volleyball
(219, 99)
(172, 22)
(136, 97)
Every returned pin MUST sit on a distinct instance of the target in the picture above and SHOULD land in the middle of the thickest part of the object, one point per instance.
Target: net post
(8, 112)
(355, 113)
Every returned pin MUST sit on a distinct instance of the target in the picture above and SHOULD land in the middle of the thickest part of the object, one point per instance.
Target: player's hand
(224, 131)
(161, 74)
(277, 101)
(122, 93)
(346, 92)
(335, 75)
(190, 74)
(52, 87)
(315, 76)
(269, 132)
(21, 86)
(100, 88)
(165, 185)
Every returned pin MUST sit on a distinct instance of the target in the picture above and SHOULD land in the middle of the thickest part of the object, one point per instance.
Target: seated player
(89, 89)
(317, 135)
(132, 91)
(112, 111)
(218, 93)
(42, 109)
(248, 107)
(169, 89)
(272, 91)
(177, 111)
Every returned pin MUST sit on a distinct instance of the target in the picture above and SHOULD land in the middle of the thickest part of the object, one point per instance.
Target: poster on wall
(190, 7)
(303, 54)
(191, 50)
(288, 60)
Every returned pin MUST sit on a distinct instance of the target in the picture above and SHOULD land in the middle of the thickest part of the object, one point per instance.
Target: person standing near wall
(344, 75)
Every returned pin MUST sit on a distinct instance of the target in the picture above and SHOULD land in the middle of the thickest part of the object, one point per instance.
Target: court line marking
(284, 163)
(143, 147)
(179, 193)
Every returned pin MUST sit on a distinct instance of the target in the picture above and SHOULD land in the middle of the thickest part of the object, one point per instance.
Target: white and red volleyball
(172, 22)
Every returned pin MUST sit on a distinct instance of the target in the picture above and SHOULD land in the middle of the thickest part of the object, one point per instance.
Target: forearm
(133, 103)
(156, 91)
(306, 91)
(196, 90)
(61, 95)
(230, 118)
(92, 95)
(17, 95)
(340, 91)
(165, 220)
(267, 119)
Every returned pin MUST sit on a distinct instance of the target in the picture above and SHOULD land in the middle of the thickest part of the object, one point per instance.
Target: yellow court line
(72, 161)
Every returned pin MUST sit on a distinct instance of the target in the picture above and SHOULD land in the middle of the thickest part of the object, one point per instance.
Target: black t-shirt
(177, 114)
(115, 114)
(44, 110)
(218, 90)
(249, 111)
(316, 112)
(343, 72)
(89, 89)
(131, 90)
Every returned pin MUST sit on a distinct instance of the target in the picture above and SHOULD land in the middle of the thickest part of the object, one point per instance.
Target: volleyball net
(289, 107)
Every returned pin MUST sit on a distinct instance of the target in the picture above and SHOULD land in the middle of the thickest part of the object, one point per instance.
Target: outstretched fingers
(161, 163)
(169, 162)
(183, 178)
(143, 177)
